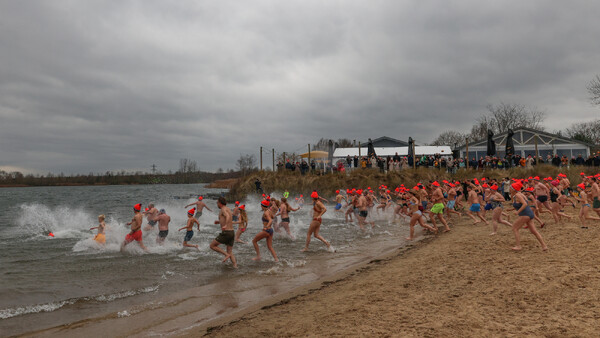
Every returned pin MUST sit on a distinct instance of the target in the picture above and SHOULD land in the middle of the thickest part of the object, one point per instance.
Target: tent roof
(316, 154)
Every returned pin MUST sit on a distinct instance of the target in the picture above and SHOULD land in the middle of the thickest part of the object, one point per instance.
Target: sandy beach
(458, 284)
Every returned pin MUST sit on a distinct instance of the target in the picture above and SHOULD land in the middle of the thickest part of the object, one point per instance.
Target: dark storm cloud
(96, 86)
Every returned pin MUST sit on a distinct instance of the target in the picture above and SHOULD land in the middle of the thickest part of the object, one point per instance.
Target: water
(53, 281)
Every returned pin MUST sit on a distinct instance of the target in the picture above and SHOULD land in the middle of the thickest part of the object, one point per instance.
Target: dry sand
(465, 283)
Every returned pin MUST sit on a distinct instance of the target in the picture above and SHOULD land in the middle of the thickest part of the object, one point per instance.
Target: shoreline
(464, 283)
(177, 314)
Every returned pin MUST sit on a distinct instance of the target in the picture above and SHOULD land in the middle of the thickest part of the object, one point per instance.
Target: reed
(327, 184)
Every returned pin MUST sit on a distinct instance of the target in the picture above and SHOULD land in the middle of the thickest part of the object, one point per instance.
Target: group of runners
(436, 201)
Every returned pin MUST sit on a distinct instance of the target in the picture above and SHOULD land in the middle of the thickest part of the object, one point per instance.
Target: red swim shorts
(136, 236)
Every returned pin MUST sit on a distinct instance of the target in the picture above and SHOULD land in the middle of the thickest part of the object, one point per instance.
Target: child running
(100, 237)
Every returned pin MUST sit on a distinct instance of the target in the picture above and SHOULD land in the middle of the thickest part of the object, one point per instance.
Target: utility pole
(273, 159)
(467, 156)
(261, 158)
(153, 169)
(309, 154)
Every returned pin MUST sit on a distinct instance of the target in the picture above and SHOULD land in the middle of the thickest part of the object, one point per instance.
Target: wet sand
(465, 283)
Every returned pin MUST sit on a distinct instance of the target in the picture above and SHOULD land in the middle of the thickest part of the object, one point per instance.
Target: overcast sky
(91, 86)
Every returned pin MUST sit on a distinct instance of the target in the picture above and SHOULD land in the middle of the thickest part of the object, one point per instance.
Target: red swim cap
(581, 186)
(314, 195)
(137, 207)
(192, 211)
(435, 184)
(237, 202)
(529, 189)
(265, 203)
(200, 198)
(337, 191)
(494, 187)
(243, 207)
(517, 186)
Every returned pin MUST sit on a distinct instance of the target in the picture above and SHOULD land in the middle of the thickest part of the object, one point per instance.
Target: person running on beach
(452, 195)
(284, 209)
(437, 198)
(351, 204)
(475, 208)
(315, 225)
(227, 236)
(242, 223)
(151, 214)
(541, 193)
(496, 199)
(190, 229)
(584, 212)
(163, 226)
(100, 237)
(416, 215)
(199, 206)
(267, 231)
(525, 216)
(136, 228)
(555, 197)
(595, 192)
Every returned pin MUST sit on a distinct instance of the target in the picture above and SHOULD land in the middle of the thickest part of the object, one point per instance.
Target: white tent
(391, 151)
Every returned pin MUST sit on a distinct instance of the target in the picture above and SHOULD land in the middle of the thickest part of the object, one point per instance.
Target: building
(385, 142)
(525, 141)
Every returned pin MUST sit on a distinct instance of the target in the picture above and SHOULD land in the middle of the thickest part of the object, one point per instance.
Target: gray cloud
(104, 85)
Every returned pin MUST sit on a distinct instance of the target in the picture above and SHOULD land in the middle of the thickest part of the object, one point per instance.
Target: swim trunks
(198, 214)
(542, 199)
(338, 206)
(100, 238)
(527, 212)
(269, 231)
(188, 236)
(235, 218)
(475, 207)
(152, 223)
(596, 203)
(284, 220)
(437, 208)
(363, 213)
(488, 206)
(136, 236)
(451, 204)
(226, 237)
(163, 233)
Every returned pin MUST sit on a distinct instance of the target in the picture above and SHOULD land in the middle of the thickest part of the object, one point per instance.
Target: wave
(53, 306)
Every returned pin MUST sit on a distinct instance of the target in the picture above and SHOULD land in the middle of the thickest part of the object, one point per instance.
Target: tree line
(187, 173)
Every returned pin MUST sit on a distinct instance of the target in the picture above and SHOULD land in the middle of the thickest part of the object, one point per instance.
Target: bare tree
(507, 116)
(449, 138)
(594, 90)
(344, 143)
(187, 166)
(585, 131)
(323, 144)
(246, 163)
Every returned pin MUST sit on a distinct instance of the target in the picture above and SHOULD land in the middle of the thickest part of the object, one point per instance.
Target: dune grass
(327, 184)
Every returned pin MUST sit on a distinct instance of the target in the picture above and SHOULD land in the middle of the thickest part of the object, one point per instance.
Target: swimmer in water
(267, 231)
(136, 228)
(199, 206)
(315, 225)
(100, 237)
(190, 229)
(163, 226)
